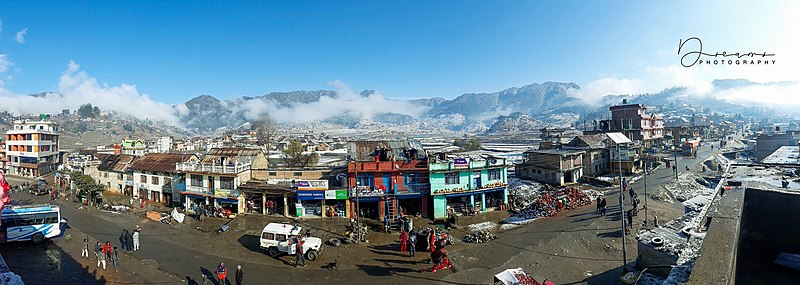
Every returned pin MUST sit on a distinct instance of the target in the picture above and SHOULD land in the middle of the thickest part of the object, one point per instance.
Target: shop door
(387, 182)
(211, 185)
(476, 179)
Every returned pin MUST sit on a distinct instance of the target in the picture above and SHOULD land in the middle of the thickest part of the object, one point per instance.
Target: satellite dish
(494, 161)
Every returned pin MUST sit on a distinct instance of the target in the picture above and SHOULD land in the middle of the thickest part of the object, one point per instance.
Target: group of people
(103, 252)
(130, 240)
(222, 275)
(408, 243)
(601, 205)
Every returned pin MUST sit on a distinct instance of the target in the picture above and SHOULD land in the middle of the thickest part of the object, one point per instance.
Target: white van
(276, 239)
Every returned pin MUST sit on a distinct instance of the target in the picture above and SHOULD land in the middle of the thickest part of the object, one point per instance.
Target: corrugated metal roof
(232, 154)
(366, 150)
(160, 162)
(116, 162)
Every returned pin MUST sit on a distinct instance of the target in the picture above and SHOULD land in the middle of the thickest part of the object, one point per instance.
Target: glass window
(197, 180)
(154, 180)
(269, 236)
(451, 178)
(280, 237)
(226, 183)
(365, 179)
(494, 174)
(143, 179)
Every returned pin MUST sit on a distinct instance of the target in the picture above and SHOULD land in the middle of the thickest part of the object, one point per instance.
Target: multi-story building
(133, 147)
(766, 143)
(595, 158)
(32, 147)
(458, 183)
(153, 171)
(552, 166)
(115, 173)
(633, 121)
(164, 144)
(216, 179)
(387, 178)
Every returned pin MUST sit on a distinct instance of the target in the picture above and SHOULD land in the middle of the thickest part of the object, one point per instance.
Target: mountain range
(524, 108)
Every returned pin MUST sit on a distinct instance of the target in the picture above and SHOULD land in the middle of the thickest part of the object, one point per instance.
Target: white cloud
(346, 103)
(20, 37)
(76, 88)
(5, 63)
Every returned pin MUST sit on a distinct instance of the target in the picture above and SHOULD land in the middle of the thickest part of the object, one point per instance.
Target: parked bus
(30, 222)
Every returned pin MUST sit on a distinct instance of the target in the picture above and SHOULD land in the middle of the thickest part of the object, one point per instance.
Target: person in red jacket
(221, 273)
(403, 240)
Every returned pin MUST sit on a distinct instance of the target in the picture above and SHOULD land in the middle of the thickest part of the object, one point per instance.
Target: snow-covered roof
(783, 155)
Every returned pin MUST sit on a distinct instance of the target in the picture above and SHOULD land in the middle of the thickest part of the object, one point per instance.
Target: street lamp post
(621, 210)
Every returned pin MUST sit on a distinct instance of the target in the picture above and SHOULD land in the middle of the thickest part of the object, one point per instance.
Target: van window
(280, 237)
(269, 236)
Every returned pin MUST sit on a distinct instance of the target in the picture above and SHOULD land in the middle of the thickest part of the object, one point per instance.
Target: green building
(461, 182)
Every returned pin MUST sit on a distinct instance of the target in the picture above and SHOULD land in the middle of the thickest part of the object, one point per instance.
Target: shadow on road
(48, 263)
(387, 249)
(251, 242)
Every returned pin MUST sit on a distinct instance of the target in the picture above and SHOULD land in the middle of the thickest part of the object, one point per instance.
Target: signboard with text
(312, 185)
(336, 194)
(311, 195)
(460, 163)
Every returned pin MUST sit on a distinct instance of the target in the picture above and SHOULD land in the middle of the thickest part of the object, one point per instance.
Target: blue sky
(175, 50)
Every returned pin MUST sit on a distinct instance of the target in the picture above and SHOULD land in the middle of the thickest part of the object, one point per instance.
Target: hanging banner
(310, 195)
(312, 185)
(460, 163)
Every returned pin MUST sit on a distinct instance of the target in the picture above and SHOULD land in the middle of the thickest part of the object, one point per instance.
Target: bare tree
(266, 132)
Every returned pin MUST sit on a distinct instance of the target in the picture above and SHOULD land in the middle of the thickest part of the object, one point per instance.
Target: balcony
(386, 166)
(199, 190)
(212, 168)
(368, 191)
(475, 164)
(458, 189)
(419, 188)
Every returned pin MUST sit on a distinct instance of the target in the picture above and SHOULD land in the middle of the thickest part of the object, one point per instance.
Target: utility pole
(646, 169)
(622, 210)
(676, 162)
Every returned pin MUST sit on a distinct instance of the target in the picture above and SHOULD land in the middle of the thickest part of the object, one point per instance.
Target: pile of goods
(517, 277)
(550, 204)
(479, 236)
(525, 279)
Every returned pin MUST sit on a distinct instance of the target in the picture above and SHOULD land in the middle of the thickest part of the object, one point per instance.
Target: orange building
(32, 147)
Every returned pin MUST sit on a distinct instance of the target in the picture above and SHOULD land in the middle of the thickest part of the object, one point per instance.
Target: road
(575, 247)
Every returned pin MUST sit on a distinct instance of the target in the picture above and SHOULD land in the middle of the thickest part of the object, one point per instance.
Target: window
(226, 183)
(298, 174)
(143, 179)
(494, 174)
(167, 181)
(365, 179)
(105, 174)
(119, 176)
(273, 173)
(451, 178)
(197, 180)
(269, 236)
(154, 180)
(280, 237)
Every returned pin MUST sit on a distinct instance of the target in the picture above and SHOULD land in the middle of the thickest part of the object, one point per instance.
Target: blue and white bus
(30, 222)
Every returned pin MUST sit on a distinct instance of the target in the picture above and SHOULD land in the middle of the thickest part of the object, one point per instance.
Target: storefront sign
(336, 194)
(312, 185)
(460, 163)
(310, 195)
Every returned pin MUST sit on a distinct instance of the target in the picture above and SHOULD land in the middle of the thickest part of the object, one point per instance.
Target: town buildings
(215, 179)
(153, 174)
(32, 147)
(596, 154)
(115, 173)
(633, 121)
(552, 166)
(766, 143)
(458, 183)
(387, 178)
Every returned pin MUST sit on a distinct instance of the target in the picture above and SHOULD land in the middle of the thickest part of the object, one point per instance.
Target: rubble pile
(549, 204)
(525, 279)
(479, 236)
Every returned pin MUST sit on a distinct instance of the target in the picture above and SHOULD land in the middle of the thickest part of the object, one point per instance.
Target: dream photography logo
(692, 53)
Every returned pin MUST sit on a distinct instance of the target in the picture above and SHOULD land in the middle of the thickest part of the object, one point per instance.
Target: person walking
(123, 240)
(412, 243)
(221, 273)
(98, 248)
(114, 258)
(631, 192)
(298, 252)
(239, 274)
(403, 240)
(135, 240)
(101, 256)
(603, 204)
(85, 249)
(598, 204)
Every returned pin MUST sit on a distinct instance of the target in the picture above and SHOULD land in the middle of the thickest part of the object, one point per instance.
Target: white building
(32, 147)
(153, 174)
(164, 144)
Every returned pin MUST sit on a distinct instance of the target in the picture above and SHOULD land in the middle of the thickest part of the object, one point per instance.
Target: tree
(468, 145)
(86, 111)
(96, 111)
(293, 156)
(266, 132)
(127, 128)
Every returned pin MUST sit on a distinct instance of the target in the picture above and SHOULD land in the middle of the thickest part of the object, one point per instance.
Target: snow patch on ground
(593, 194)
(489, 226)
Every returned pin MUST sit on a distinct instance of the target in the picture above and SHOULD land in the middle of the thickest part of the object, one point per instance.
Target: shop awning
(227, 201)
(409, 196)
(198, 195)
(369, 199)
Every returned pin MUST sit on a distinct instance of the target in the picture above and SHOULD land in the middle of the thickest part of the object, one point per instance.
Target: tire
(273, 251)
(311, 255)
(37, 238)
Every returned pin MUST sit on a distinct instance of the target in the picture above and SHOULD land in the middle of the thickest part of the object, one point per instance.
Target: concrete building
(384, 176)
(164, 144)
(552, 166)
(115, 173)
(215, 180)
(32, 147)
(461, 182)
(596, 158)
(133, 147)
(633, 121)
(766, 143)
(153, 171)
